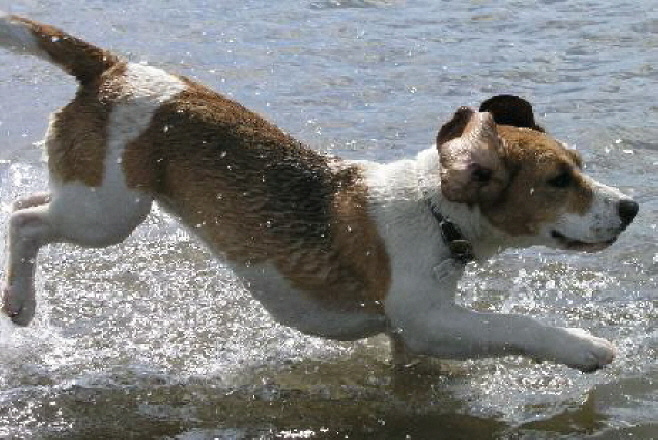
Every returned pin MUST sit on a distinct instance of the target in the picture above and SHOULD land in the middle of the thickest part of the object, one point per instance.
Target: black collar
(460, 248)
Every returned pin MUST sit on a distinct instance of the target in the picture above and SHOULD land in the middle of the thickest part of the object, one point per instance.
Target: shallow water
(154, 339)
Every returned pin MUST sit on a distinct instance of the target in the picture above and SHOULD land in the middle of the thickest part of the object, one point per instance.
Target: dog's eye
(562, 180)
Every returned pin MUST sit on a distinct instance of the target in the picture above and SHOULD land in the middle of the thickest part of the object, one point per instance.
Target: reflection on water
(154, 339)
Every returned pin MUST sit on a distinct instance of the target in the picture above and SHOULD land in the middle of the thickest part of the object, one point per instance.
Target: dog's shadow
(353, 395)
(367, 398)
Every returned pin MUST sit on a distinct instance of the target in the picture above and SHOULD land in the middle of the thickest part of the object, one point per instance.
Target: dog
(338, 249)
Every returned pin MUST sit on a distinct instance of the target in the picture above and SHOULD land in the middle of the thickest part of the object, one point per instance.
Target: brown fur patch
(77, 141)
(256, 195)
(77, 144)
(529, 201)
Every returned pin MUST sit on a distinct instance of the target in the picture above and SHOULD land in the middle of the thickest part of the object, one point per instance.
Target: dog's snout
(627, 211)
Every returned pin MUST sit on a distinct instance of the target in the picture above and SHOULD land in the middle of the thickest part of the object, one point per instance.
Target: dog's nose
(627, 211)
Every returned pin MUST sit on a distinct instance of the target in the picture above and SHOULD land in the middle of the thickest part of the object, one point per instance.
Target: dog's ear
(472, 170)
(511, 110)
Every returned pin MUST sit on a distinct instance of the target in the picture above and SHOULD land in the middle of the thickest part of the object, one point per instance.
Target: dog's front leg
(28, 230)
(445, 275)
(457, 333)
(430, 323)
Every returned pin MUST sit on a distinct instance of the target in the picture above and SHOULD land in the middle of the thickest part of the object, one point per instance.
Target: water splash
(6, 330)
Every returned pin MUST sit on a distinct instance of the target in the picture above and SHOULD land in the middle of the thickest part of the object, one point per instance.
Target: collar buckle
(460, 248)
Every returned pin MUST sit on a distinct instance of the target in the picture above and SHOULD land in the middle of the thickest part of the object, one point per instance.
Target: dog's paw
(19, 307)
(583, 351)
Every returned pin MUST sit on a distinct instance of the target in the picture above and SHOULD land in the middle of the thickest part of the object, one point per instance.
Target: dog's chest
(294, 308)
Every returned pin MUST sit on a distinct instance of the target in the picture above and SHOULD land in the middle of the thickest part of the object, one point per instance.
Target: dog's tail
(84, 61)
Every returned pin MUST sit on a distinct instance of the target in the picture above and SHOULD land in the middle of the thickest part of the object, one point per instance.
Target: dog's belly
(292, 308)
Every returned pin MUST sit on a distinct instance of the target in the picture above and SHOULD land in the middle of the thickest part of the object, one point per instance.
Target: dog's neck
(423, 188)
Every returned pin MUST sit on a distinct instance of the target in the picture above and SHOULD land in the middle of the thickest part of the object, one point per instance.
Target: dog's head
(525, 182)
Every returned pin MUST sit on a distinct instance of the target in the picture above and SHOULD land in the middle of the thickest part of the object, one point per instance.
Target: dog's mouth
(577, 245)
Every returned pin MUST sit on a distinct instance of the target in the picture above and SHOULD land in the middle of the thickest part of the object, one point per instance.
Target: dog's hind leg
(31, 201)
(29, 229)
(86, 216)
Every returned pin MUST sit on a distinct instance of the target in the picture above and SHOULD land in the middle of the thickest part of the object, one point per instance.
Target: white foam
(7, 329)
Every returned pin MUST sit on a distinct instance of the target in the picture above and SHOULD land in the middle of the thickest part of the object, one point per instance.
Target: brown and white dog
(337, 249)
